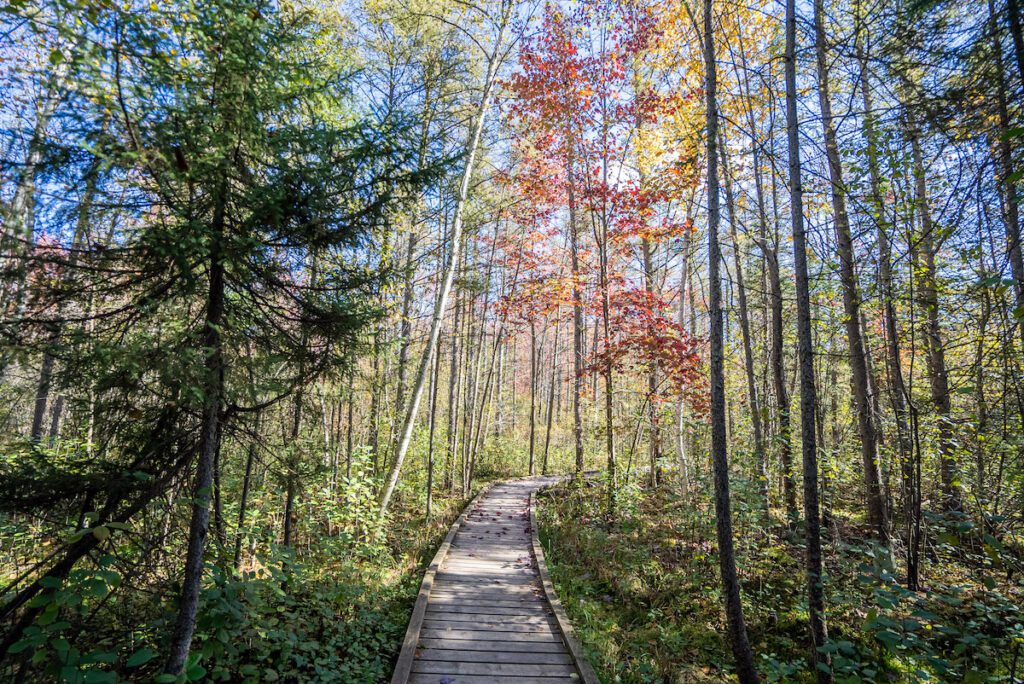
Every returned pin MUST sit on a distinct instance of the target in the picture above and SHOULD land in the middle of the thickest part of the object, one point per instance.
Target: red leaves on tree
(648, 337)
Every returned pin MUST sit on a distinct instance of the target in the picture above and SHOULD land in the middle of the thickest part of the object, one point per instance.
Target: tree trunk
(472, 147)
(533, 391)
(894, 370)
(473, 356)
(78, 240)
(292, 463)
(551, 401)
(482, 401)
(878, 516)
(808, 391)
(243, 504)
(652, 375)
(42, 394)
(928, 300)
(744, 655)
(782, 399)
(1011, 219)
(609, 394)
(181, 637)
(748, 350)
(1013, 10)
(405, 331)
(349, 422)
(410, 263)
(684, 280)
(17, 240)
(453, 393)
(434, 378)
(375, 386)
(577, 318)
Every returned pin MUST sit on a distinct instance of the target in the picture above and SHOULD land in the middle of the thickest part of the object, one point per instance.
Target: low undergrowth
(334, 608)
(643, 593)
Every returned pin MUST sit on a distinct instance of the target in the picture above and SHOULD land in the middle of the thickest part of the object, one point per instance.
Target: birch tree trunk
(437, 320)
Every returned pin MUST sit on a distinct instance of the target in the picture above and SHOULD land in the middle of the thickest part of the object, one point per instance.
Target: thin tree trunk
(1006, 166)
(17, 240)
(473, 356)
(684, 281)
(434, 378)
(808, 391)
(499, 418)
(243, 504)
(184, 626)
(349, 422)
(292, 470)
(878, 516)
(551, 401)
(375, 387)
(897, 390)
(42, 393)
(482, 401)
(453, 391)
(782, 399)
(744, 655)
(405, 328)
(1014, 13)
(928, 300)
(472, 147)
(410, 264)
(654, 447)
(533, 392)
(577, 318)
(55, 416)
(78, 240)
(748, 351)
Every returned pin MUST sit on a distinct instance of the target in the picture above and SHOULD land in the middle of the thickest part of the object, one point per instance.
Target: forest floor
(643, 595)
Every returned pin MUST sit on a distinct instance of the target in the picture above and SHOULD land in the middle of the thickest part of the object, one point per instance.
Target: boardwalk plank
(487, 617)
(490, 679)
(491, 669)
(490, 613)
(465, 656)
(499, 646)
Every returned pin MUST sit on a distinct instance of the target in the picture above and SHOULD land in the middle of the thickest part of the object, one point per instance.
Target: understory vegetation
(643, 595)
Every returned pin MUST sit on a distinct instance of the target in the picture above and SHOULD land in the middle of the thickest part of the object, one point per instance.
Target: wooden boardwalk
(483, 614)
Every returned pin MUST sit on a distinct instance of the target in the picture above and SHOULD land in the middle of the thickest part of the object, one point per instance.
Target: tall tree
(878, 515)
(741, 649)
(805, 347)
(494, 57)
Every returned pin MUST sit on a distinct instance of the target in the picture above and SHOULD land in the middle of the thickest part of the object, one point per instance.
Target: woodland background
(285, 282)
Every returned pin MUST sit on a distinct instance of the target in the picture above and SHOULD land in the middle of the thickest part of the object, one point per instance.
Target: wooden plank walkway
(483, 615)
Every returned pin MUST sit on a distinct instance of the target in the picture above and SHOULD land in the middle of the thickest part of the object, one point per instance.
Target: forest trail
(487, 617)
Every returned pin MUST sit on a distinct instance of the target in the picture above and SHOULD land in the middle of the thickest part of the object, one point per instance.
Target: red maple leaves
(577, 102)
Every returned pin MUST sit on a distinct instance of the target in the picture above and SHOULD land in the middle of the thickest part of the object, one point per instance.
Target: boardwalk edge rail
(403, 667)
(564, 625)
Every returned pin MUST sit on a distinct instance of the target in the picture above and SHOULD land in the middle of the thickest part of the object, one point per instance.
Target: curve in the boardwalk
(483, 613)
